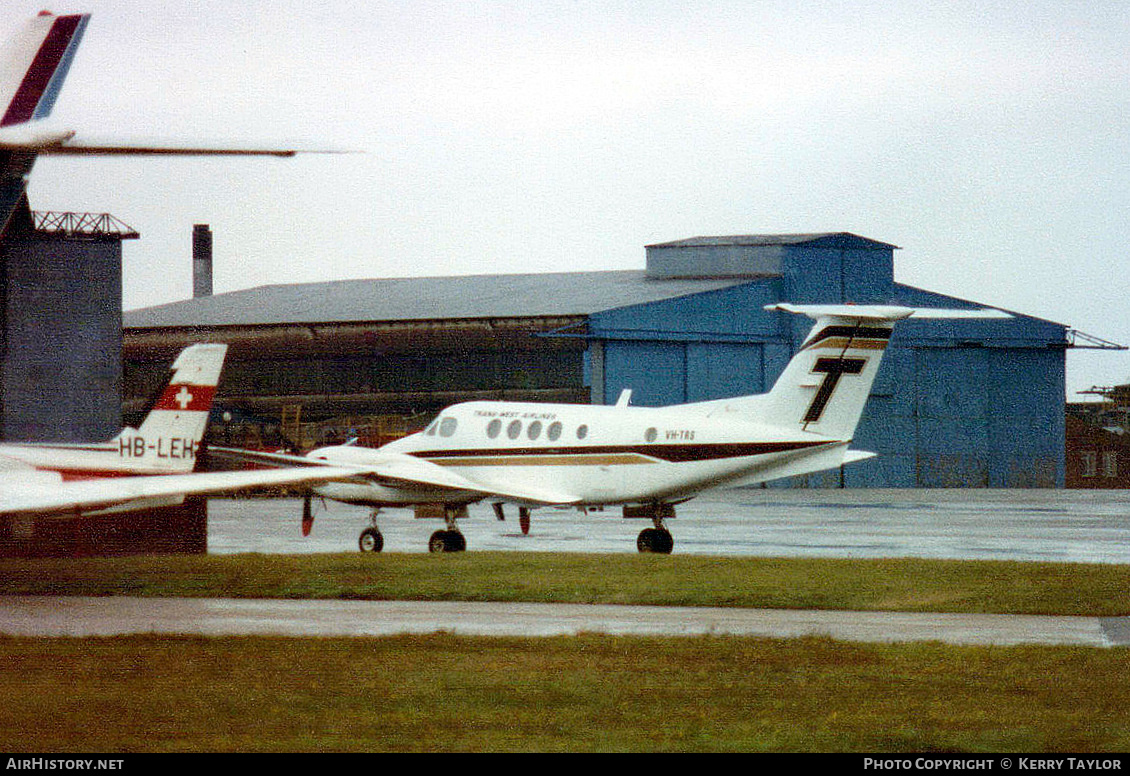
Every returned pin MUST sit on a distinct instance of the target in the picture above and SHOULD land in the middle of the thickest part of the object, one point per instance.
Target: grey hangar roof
(545, 295)
(433, 298)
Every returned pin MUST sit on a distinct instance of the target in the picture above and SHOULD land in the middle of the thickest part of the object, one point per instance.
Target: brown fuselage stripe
(609, 454)
(547, 460)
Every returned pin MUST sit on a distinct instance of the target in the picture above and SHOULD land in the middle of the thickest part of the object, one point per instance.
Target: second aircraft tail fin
(169, 438)
(34, 64)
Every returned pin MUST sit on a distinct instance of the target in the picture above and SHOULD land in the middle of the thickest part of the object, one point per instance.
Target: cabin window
(514, 429)
(553, 432)
(651, 434)
(534, 431)
(447, 427)
(582, 431)
(494, 428)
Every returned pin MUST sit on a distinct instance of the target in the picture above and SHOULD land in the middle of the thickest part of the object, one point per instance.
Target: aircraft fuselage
(597, 454)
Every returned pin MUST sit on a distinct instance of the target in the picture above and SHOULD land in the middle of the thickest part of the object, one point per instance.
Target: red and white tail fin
(168, 439)
(34, 64)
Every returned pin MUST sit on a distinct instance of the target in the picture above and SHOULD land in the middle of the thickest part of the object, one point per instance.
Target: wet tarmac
(111, 616)
(1023, 525)
(1065, 526)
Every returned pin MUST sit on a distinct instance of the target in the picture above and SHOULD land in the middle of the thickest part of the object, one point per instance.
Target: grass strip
(874, 585)
(588, 693)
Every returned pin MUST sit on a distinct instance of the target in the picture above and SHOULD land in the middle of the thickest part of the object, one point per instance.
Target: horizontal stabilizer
(33, 67)
(882, 312)
(822, 459)
(825, 386)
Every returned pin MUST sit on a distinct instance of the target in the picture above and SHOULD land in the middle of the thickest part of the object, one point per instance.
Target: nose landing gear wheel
(371, 540)
(655, 540)
(447, 541)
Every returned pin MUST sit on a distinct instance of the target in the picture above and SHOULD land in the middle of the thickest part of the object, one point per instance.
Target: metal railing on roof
(82, 224)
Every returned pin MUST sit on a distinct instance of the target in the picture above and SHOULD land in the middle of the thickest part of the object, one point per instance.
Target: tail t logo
(832, 369)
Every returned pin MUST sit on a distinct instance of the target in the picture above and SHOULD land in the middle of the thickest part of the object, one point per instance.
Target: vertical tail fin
(34, 64)
(825, 386)
(169, 437)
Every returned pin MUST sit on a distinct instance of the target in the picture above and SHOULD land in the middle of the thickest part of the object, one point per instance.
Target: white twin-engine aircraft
(144, 467)
(644, 459)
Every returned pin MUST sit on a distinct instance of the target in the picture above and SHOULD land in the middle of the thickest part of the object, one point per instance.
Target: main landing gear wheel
(656, 540)
(371, 540)
(447, 541)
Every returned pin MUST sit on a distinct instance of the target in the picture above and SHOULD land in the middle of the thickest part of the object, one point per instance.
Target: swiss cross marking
(184, 398)
(832, 369)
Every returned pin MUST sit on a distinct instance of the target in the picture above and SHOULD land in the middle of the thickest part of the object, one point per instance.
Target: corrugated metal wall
(62, 339)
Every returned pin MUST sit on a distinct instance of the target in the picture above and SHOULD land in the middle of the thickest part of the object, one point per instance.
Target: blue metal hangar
(958, 403)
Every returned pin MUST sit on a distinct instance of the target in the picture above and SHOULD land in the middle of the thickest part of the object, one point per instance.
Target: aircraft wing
(34, 63)
(123, 493)
(62, 142)
(408, 472)
(396, 470)
(79, 145)
(238, 455)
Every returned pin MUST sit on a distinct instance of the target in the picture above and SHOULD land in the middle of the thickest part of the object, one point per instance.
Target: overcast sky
(991, 141)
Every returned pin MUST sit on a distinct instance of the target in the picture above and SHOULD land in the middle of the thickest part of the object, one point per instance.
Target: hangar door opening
(950, 409)
(988, 417)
